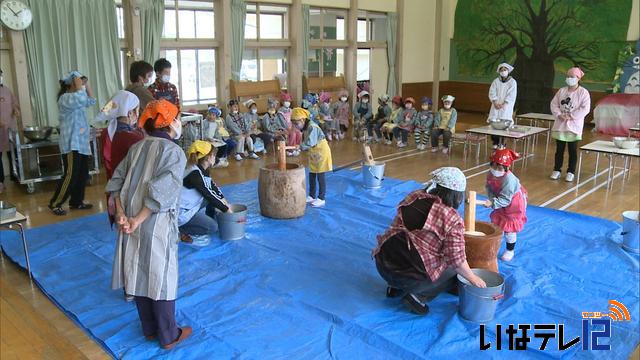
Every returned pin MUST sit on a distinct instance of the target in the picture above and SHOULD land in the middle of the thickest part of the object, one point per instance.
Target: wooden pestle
(367, 157)
(470, 215)
(282, 155)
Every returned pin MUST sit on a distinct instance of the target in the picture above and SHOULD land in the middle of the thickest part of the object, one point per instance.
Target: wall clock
(15, 14)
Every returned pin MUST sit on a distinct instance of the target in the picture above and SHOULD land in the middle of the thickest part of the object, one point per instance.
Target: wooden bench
(331, 84)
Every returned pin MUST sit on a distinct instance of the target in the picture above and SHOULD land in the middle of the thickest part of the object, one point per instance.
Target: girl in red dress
(507, 198)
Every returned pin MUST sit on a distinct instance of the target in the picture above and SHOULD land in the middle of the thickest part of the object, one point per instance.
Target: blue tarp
(308, 288)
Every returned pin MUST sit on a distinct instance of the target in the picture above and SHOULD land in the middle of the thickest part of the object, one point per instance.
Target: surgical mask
(254, 111)
(425, 107)
(497, 173)
(287, 104)
(447, 106)
(234, 112)
(83, 88)
(364, 101)
(571, 81)
(504, 73)
(177, 129)
(149, 82)
(166, 78)
(408, 106)
(343, 99)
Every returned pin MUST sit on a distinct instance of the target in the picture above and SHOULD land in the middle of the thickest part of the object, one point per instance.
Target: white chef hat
(448, 98)
(504, 65)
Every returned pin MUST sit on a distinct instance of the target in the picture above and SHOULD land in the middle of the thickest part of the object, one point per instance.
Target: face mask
(287, 104)
(447, 106)
(343, 99)
(234, 112)
(425, 107)
(497, 173)
(166, 78)
(408, 106)
(149, 82)
(504, 73)
(177, 129)
(83, 88)
(571, 81)
(364, 101)
(254, 111)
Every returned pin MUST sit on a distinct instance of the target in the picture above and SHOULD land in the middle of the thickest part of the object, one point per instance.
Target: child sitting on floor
(213, 130)
(422, 124)
(507, 198)
(341, 113)
(362, 114)
(396, 111)
(382, 116)
(405, 122)
(444, 125)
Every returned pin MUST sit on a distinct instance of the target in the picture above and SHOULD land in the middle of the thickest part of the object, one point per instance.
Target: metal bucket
(231, 226)
(476, 304)
(373, 174)
(631, 231)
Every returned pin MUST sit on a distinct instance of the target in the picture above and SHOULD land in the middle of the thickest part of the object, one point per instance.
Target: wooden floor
(33, 327)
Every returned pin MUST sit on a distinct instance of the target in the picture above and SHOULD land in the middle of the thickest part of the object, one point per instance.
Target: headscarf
(272, 103)
(410, 100)
(200, 148)
(448, 177)
(119, 105)
(384, 98)
(325, 96)
(426, 100)
(397, 100)
(162, 111)
(504, 65)
(285, 97)
(363, 93)
(300, 114)
(214, 110)
(249, 103)
(343, 92)
(575, 72)
(70, 76)
(504, 156)
(448, 98)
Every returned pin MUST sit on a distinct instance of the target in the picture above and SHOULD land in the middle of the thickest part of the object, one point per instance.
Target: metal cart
(41, 161)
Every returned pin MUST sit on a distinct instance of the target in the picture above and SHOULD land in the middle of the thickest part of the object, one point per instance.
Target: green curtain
(392, 26)
(305, 39)
(71, 35)
(238, 19)
(151, 22)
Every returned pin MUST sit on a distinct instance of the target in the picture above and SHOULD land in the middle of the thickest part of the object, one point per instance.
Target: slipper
(58, 211)
(185, 332)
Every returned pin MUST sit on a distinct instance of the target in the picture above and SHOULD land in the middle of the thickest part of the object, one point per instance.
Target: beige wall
(324, 3)
(417, 43)
(634, 24)
(377, 5)
(379, 71)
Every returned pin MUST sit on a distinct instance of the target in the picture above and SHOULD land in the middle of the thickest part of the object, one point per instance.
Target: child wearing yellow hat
(200, 197)
(320, 161)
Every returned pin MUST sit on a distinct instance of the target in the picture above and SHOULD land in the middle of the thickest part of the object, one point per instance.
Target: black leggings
(312, 185)
(573, 155)
(73, 182)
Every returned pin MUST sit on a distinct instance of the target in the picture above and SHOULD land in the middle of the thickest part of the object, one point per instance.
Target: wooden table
(533, 119)
(521, 132)
(18, 220)
(610, 150)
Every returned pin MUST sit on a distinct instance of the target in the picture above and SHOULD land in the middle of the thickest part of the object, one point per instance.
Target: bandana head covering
(300, 114)
(451, 178)
(362, 94)
(504, 156)
(214, 110)
(384, 98)
(448, 98)
(325, 96)
(70, 76)
(310, 98)
(232, 102)
(249, 103)
(200, 148)
(410, 100)
(504, 65)
(119, 105)
(163, 111)
(575, 72)
(272, 103)
(285, 96)
(426, 100)
(397, 100)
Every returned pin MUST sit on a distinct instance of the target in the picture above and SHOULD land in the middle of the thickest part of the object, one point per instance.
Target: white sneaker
(508, 255)
(318, 203)
(296, 152)
(239, 157)
(445, 150)
(220, 164)
(569, 177)
(555, 175)
(434, 149)
(254, 156)
(310, 199)
(495, 147)
(388, 142)
(401, 145)
(398, 142)
(354, 138)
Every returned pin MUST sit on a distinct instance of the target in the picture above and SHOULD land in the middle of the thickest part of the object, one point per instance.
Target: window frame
(285, 21)
(179, 85)
(257, 49)
(330, 43)
(369, 43)
(176, 8)
(321, 61)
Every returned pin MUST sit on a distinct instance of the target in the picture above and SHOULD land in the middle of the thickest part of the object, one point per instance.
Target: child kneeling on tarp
(200, 196)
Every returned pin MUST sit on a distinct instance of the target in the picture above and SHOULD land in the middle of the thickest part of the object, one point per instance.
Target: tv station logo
(596, 331)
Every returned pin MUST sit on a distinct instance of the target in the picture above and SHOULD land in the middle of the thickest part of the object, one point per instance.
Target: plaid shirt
(440, 242)
(74, 127)
(162, 90)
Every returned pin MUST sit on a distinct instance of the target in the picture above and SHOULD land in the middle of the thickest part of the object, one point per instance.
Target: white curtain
(392, 26)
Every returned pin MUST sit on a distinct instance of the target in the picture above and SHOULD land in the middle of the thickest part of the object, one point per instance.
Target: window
(266, 22)
(120, 21)
(124, 74)
(371, 27)
(363, 64)
(327, 24)
(194, 73)
(263, 64)
(193, 19)
(326, 62)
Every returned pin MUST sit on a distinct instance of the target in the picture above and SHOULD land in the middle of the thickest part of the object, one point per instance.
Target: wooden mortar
(482, 239)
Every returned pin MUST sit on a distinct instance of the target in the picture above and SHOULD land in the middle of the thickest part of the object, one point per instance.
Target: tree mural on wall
(537, 37)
